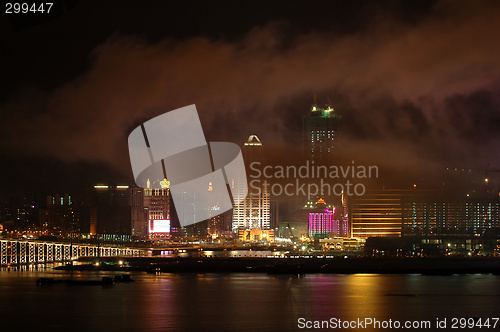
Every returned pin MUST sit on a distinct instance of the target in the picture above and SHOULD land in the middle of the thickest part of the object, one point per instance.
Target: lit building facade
(431, 215)
(342, 219)
(320, 130)
(422, 213)
(116, 210)
(58, 216)
(159, 229)
(376, 213)
(256, 235)
(254, 210)
(20, 212)
(157, 202)
(342, 243)
(220, 225)
(321, 221)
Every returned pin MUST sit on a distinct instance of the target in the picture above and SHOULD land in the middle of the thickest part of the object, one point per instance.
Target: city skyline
(411, 115)
(249, 165)
(439, 142)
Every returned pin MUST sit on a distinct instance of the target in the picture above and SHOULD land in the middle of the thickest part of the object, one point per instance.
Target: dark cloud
(414, 94)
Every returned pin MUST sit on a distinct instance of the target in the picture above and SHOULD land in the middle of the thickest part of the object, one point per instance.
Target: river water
(238, 302)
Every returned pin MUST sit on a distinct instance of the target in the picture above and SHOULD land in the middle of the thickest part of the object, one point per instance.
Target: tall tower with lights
(320, 128)
(254, 210)
(157, 201)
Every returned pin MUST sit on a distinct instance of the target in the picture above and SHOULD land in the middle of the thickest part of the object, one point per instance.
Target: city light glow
(159, 226)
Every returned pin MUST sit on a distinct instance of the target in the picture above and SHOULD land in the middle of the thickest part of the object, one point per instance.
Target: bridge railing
(18, 252)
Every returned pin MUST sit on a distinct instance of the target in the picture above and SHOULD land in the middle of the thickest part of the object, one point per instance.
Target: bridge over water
(19, 252)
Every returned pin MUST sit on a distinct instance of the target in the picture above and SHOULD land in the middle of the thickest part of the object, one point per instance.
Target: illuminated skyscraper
(320, 129)
(422, 213)
(252, 150)
(344, 225)
(377, 213)
(254, 210)
(321, 222)
(430, 215)
(157, 201)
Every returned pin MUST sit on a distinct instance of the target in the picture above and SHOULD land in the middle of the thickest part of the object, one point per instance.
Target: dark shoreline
(425, 266)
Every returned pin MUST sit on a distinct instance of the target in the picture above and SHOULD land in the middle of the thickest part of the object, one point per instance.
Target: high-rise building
(376, 213)
(320, 130)
(252, 150)
(321, 221)
(342, 218)
(116, 210)
(431, 215)
(58, 216)
(254, 210)
(423, 213)
(157, 202)
(20, 213)
(220, 225)
(482, 215)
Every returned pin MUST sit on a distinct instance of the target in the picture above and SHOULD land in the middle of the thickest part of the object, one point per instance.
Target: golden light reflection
(363, 292)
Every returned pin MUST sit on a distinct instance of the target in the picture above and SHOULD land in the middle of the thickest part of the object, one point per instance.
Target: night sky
(417, 82)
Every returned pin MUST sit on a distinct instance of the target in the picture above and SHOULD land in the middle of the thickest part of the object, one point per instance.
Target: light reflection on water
(236, 302)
